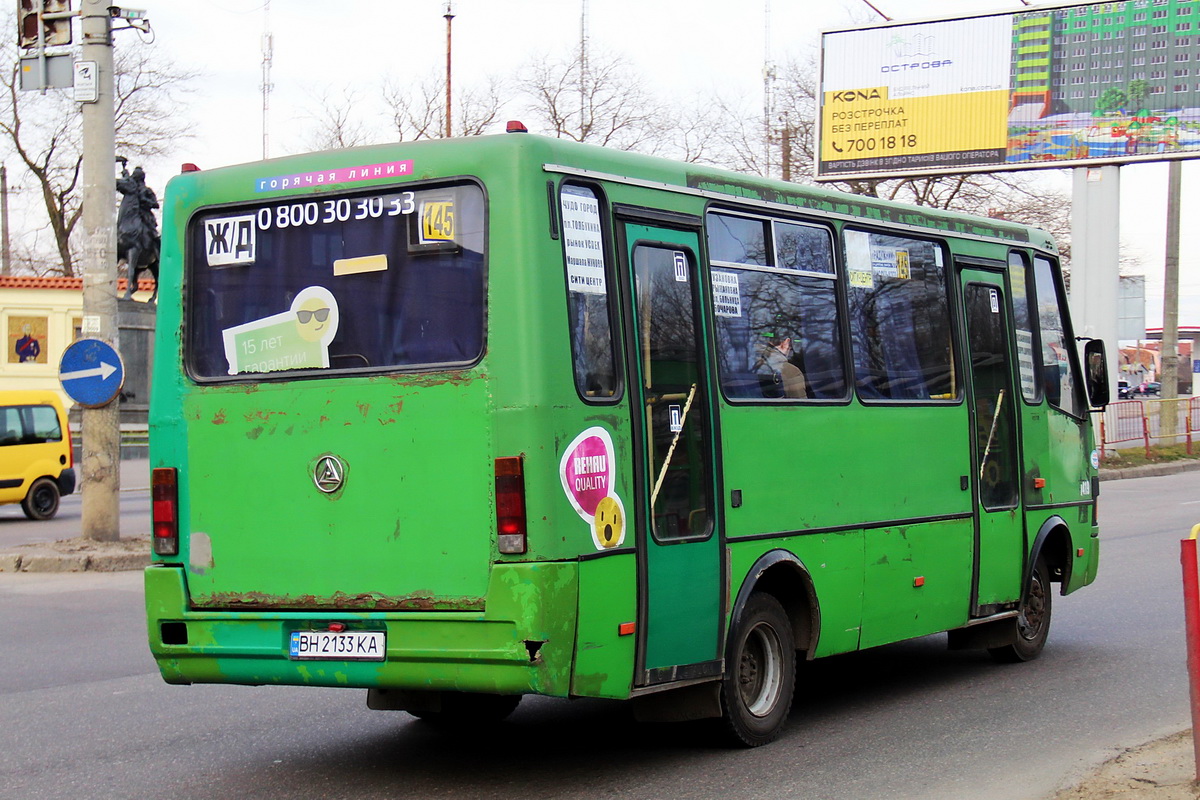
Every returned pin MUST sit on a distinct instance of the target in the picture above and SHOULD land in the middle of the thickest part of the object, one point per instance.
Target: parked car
(36, 463)
(1148, 388)
(1123, 389)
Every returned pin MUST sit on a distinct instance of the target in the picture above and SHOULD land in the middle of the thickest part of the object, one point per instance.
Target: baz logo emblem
(330, 474)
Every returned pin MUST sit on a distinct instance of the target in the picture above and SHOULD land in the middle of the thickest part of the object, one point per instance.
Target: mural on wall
(27, 340)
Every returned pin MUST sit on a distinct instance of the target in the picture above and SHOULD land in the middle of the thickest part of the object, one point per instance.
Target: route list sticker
(727, 294)
(583, 240)
(587, 471)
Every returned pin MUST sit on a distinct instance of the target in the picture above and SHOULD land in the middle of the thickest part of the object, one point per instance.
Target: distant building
(1148, 361)
(39, 318)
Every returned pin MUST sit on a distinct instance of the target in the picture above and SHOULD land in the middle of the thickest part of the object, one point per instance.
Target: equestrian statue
(137, 230)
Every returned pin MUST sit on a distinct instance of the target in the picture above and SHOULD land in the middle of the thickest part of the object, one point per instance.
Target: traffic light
(52, 17)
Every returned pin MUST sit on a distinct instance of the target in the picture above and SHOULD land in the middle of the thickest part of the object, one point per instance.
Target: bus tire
(41, 501)
(460, 709)
(760, 678)
(1033, 620)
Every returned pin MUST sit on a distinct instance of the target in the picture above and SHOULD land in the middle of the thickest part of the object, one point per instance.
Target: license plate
(339, 646)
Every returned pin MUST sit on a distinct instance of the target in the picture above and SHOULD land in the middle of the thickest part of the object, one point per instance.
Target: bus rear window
(378, 281)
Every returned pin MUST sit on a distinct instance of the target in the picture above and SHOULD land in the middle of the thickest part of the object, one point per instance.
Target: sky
(683, 48)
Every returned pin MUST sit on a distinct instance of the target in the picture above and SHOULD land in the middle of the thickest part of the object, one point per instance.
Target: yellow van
(37, 465)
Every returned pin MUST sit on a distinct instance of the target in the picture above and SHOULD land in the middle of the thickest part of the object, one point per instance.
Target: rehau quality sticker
(588, 471)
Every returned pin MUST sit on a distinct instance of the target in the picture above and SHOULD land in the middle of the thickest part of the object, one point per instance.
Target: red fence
(1192, 421)
(1124, 422)
(1128, 422)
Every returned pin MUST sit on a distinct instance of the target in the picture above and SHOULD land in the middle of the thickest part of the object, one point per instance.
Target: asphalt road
(83, 714)
(134, 500)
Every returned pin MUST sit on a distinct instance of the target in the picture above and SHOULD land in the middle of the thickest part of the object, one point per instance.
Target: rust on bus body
(418, 601)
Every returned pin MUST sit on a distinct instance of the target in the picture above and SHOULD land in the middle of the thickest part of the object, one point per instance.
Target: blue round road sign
(91, 372)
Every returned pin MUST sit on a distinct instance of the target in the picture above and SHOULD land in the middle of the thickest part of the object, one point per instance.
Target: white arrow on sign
(104, 370)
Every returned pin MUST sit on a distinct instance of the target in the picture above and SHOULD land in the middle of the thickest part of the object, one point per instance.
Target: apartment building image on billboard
(1105, 80)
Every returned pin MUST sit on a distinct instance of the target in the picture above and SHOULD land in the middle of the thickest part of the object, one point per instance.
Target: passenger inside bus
(777, 375)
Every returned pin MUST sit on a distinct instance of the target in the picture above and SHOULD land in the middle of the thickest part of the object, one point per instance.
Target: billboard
(1069, 85)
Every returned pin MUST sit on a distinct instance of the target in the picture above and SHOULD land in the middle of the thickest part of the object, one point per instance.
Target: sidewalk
(135, 474)
(1163, 769)
(85, 555)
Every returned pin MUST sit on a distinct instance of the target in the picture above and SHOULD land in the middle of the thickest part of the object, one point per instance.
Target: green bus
(459, 421)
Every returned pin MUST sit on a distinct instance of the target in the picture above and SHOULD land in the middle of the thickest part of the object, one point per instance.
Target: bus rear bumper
(517, 645)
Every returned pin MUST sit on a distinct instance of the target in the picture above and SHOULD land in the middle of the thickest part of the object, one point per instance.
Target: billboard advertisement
(1054, 86)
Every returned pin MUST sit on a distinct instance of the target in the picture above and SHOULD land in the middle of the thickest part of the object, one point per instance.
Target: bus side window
(588, 316)
(775, 301)
(899, 318)
(1024, 315)
(1062, 389)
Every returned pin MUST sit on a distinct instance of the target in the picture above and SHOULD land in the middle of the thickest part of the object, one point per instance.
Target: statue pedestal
(136, 323)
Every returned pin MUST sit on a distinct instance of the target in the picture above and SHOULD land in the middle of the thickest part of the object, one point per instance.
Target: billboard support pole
(1095, 256)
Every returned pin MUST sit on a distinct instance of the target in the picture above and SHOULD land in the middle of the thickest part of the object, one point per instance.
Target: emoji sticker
(588, 474)
(298, 338)
(608, 528)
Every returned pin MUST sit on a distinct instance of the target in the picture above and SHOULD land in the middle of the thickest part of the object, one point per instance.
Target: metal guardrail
(1122, 422)
(1158, 421)
(135, 441)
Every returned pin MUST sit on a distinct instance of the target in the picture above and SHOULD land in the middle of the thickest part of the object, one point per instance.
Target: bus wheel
(42, 500)
(465, 708)
(1033, 621)
(760, 679)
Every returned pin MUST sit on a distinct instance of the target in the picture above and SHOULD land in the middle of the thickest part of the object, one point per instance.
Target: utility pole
(268, 50)
(785, 147)
(449, 95)
(100, 480)
(584, 117)
(6, 253)
(768, 86)
(1169, 386)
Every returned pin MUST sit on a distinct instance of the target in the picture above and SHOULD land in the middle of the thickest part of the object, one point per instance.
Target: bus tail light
(164, 495)
(510, 505)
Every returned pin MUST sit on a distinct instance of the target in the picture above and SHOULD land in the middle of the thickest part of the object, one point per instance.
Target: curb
(1150, 470)
(43, 560)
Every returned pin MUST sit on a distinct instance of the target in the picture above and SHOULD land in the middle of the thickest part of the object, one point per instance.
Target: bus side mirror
(1096, 367)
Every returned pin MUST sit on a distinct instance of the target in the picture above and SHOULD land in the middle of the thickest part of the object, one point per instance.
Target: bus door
(680, 608)
(996, 460)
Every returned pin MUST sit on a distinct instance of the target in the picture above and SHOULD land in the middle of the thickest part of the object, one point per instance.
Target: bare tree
(790, 153)
(148, 93)
(46, 139)
(334, 121)
(691, 139)
(420, 112)
(44, 131)
(607, 104)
